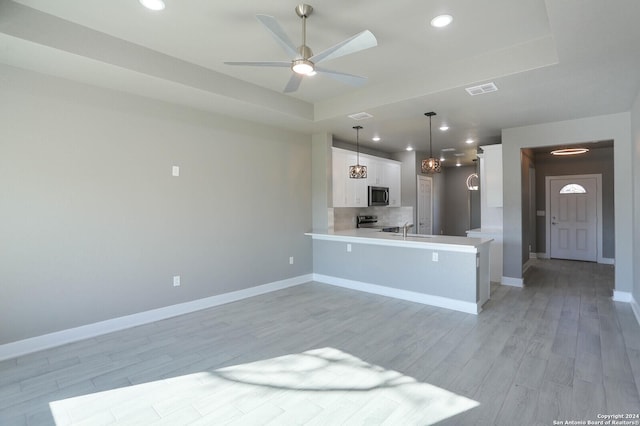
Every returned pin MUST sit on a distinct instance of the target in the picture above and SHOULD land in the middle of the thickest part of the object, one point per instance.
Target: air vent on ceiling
(447, 149)
(481, 89)
(360, 116)
(459, 154)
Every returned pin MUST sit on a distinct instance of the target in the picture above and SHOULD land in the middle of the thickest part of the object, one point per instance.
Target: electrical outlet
(175, 171)
(176, 280)
(291, 260)
(348, 248)
(434, 256)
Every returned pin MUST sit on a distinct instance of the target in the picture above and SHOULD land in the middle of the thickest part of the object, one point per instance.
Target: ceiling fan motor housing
(303, 10)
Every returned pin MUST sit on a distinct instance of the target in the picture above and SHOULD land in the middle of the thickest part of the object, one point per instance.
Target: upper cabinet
(349, 192)
(491, 175)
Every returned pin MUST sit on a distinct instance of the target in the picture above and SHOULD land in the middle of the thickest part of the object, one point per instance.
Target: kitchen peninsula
(437, 270)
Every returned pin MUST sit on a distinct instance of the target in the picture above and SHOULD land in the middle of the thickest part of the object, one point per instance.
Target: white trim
(513, 282)
(58, 338)
(622, 296)
(412, 296)
(636, 309)
(607, 261)
(598, 178)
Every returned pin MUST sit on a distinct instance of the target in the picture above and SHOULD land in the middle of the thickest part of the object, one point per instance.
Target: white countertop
(432, 242)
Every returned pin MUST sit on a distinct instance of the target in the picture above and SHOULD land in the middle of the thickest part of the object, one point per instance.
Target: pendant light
(430, 165)
(358, 171)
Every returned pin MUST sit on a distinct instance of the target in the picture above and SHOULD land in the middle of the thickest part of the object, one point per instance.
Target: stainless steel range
(371, 221)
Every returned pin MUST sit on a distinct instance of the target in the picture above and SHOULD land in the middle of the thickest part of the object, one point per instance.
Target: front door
(573, 218)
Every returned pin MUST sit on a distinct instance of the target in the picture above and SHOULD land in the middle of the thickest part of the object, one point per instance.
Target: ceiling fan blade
(279, 35)
(350, 79)
(360, 41)
(279, 64)
(294, 83)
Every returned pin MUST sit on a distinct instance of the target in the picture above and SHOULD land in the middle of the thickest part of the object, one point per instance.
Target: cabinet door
(492, 174)
(393, 181)
(356, 189)
(347, 192)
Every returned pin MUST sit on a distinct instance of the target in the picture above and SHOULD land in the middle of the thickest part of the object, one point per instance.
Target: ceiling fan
(302, 60)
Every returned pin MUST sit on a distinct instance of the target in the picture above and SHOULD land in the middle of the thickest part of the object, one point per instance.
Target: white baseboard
(58, 338)
(622, 296)
(636, 309)
(607, 261)
(412, 296)
(513, 282)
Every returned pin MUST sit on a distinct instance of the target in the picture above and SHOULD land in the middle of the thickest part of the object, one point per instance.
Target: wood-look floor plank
(557, 349)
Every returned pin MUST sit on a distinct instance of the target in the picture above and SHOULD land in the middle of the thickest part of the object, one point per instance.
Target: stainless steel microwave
(378, 196)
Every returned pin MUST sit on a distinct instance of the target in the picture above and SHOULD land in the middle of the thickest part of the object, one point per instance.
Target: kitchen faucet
(405, 229)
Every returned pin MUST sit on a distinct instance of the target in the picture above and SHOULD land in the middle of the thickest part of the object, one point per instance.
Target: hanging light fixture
(358, 171)
(430, 165)
(473, 182)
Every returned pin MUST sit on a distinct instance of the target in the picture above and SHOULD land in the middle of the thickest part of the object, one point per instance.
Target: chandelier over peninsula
(430, 165)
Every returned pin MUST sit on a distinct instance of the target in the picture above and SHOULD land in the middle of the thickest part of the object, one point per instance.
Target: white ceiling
(551, 60)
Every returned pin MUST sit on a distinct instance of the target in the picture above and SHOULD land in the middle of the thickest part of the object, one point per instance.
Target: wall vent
(360, 116)
(482, 89)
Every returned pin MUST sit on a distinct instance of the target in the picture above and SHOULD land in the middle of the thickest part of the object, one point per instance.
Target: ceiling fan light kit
(430, 165)
(302, 61)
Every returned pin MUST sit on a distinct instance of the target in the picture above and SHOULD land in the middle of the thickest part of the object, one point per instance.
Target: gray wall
(635, 135)
(457, 201)
(616, 127)
(596, 161)
(93, 226)
(526, 166)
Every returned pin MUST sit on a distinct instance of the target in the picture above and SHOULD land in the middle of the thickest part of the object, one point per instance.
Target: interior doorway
(574, 212)
(425, 205)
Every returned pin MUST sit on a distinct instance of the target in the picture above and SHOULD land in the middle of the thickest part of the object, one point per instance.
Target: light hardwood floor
(559, 349)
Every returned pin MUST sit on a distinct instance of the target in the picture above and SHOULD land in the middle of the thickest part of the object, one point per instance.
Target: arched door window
(573, 188)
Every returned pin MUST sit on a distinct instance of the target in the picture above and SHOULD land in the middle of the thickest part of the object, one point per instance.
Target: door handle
(554, 223)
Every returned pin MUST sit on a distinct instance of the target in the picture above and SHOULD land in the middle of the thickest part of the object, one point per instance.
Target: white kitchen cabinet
(392, 179)
(491, 174)
(349, 192)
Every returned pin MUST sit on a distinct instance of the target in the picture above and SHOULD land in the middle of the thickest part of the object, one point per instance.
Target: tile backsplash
(345, 217)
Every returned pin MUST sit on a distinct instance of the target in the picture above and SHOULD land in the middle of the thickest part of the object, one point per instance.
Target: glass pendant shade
(358, 171)
(430, 165)
(473, 182)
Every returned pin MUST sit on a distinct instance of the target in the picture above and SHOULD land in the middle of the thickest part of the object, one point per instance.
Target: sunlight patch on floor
(320, 386)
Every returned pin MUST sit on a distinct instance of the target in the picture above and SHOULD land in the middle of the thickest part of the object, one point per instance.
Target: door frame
(430, 179)
(547, 220)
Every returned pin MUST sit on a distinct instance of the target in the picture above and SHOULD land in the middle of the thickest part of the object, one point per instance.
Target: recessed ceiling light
(458, 164)
(569, 151)
(409, 148)
(469, 141)
(376, 139)
(153, 4)
(447, 149)
(442, 158)
(444, 127)
(441, 21)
